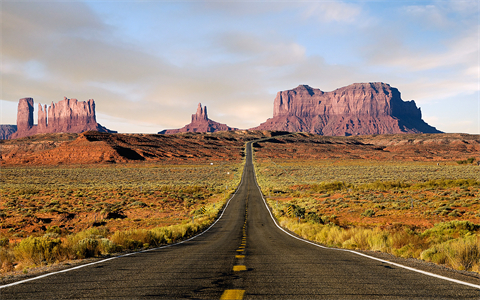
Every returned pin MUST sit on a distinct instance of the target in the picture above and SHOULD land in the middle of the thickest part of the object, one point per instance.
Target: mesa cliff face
(200, 123)
(357, 109)
(68, 115)
(6, 131)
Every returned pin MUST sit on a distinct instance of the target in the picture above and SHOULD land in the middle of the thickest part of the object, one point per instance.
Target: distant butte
(200, 123)
(357, 109)
(68, 115)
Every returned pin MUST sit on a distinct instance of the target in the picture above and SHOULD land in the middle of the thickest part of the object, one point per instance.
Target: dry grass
(53, 214)
(409, 209)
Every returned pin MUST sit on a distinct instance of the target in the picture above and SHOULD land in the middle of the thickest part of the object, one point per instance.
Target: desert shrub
(461, 253)
(39, 249)
(384, 185)
(446, 183)
(299, 212)
(7, 260)
(87, 247)
(28, 191)
(313, 217)
(131, 239)
(464, 253)
(454, 213)
(466, 161)
(54, 229)
(162, 235)
(368, 213)
(327, 186)
(4, 241)
(358, 238)
(325, 219)
(444, 231)
(85, 243)
(182, 231)
(407, 251)
(436, 254)
(106, 246)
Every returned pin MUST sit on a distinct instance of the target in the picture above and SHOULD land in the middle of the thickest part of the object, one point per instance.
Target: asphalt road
(244, 255)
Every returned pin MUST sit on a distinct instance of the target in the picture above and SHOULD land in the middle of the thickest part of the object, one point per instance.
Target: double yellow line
(240, 266)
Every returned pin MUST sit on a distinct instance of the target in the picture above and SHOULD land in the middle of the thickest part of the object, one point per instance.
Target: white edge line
(132, 253)
(358, 253)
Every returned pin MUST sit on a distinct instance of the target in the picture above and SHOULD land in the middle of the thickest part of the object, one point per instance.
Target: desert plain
(69, 196)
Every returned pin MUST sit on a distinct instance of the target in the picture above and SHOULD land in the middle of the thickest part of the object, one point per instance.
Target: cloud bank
(148, 64)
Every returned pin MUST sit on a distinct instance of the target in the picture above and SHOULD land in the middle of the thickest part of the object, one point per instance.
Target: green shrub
(447, 230)
(299, 212)
(313, 217)
(466, 161)
(368, 213)
(436, 254)
(54, 229)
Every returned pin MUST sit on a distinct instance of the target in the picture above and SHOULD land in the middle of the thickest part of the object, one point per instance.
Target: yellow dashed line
(232, 294)
(239, 256)
(239, 268)
(241, 250)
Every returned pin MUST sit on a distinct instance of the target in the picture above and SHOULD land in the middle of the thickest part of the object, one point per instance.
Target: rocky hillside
(100, 148)
(357, 109)
(96, 148)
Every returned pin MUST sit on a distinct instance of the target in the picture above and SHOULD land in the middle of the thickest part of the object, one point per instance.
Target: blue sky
(148, 64)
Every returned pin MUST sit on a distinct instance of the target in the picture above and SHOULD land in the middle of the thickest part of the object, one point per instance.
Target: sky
(147, 64)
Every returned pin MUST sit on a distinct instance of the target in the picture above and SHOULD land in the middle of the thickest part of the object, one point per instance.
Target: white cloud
(234, 64)
(333, 11)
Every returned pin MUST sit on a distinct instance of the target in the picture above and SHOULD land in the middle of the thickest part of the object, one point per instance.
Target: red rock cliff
(357, 109)
(68, 115)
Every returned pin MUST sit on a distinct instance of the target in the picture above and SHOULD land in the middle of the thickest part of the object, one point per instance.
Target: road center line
(232, 295)
(239, 268)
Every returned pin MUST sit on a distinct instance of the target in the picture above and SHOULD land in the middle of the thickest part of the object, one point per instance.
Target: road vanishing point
(244, 255)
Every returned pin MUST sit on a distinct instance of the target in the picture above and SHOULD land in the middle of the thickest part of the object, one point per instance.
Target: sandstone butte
(68, 115)
(200, 123)
(357, 109)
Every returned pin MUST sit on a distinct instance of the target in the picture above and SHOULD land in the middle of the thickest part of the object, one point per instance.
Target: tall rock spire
(201, 114)
(25, 114)
(200, 123)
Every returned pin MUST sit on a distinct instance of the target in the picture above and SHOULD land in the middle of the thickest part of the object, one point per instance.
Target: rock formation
(68, 115)
(200, 123)
(357, 109)
(6, 131)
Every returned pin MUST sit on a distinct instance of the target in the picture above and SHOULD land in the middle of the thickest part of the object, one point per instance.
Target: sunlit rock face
(68, 115)
(357, 109)
(200, 123)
